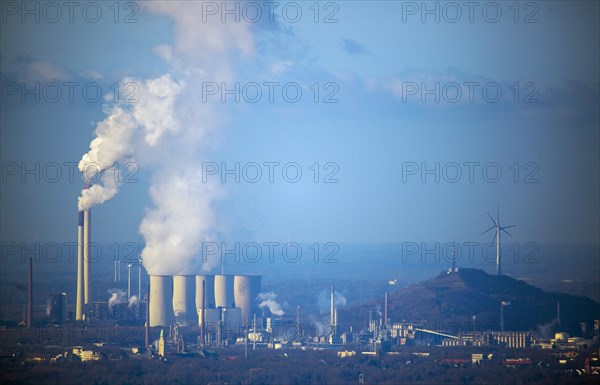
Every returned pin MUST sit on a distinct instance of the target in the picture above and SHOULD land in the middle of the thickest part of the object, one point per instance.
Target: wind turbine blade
(495, 235)
(508, 227)
(489, 215)
(502, 228)
(488, 229)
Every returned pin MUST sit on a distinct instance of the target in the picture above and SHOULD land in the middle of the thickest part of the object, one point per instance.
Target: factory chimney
(87, 274)
(332, 310)
(385, 311)
(298, 322)
(79, 298)
(203, 316)
(147, 317)
(30, 294)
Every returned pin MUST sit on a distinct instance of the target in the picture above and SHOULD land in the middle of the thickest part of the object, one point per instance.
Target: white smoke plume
(117, 297)
(180, 221)
(324, 301)
(545, 330)
(133, 301)
(168, 130)
(320, 326)
(151, 116)
(269, 300)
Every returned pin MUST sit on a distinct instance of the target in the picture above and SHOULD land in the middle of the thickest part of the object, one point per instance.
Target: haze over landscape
(315, 157)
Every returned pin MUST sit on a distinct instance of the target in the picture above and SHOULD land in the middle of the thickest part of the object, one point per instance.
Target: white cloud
(281, 67)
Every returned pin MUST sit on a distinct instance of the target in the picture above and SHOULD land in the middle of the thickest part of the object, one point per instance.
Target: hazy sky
(517, 92)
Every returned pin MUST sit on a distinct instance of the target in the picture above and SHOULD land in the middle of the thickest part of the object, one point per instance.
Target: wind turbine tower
(498, 228)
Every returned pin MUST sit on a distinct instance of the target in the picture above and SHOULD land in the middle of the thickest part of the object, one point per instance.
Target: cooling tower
(224, 291)
(161, 300)
(87, 275)
(184, 299)
(79, 298)
(245, 289)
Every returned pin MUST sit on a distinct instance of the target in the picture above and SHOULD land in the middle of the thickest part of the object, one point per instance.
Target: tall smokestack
(203, 317)
(140, 278)
(147, 317)
(79, 298)
(332, 310)
(30, 294)
(87, 236)
(385, 311)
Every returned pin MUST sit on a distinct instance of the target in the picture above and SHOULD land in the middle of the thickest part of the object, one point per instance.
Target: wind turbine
(499, 229)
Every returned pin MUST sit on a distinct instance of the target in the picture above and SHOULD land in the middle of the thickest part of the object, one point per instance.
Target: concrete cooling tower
(224, 291)
(246, 288)
(161, 300)
(184, 299)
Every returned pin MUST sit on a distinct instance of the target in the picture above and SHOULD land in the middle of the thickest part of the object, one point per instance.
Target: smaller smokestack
(298, 321)
(385, 312)
(128, 281)
(30, 294)
(335, 317)
(331, 309)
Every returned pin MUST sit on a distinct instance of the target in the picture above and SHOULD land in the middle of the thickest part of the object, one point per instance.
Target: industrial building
(57, 308)
(219, 304)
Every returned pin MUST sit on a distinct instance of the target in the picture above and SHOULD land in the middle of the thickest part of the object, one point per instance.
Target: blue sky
(368, 60)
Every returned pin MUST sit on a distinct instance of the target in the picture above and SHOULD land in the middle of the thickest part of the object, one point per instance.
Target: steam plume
(324, 298)
(117, 297)
(133, 301)
(166, 129)
(269, 300)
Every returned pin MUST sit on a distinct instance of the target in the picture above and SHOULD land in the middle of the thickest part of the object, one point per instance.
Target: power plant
(203, 300)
